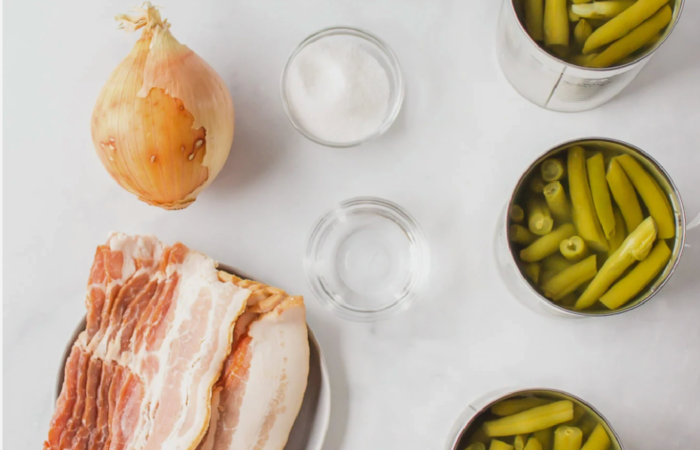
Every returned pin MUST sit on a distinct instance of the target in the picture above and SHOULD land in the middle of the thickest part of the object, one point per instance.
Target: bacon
(262, 386)
(66, 400)
(159, 326)
(133, 312)
(97, 440)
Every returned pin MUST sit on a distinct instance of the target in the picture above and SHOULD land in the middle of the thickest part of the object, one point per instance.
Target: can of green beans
(556, 79)
(634, 290)
(468, 430)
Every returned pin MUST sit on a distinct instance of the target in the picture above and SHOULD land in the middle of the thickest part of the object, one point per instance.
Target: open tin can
(553, 83)
(506, 259)
(470, 419)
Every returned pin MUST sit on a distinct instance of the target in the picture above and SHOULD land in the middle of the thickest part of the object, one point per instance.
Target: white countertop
(452, 157)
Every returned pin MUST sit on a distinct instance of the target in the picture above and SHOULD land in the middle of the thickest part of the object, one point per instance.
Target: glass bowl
(376, 48)
(366, 259)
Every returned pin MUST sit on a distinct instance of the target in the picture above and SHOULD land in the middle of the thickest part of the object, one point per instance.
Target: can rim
(680, 210)
(679, 8)
(510, 392)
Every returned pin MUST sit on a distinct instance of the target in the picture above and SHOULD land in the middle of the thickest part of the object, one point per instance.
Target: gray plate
(309, 430)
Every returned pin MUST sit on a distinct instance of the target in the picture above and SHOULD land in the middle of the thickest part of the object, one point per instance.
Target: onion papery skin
(163, 123)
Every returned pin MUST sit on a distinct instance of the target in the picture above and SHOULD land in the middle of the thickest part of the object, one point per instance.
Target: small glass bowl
(375, 47)
(366, 259)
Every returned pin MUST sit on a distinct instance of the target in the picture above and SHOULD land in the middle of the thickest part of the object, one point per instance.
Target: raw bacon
(260, 392)
(159, 329)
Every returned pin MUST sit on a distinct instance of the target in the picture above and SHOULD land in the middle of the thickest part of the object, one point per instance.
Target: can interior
(677, 6)
(467, 434)
(664, 181)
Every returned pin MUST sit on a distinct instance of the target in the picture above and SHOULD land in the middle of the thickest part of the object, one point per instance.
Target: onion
(163, 122)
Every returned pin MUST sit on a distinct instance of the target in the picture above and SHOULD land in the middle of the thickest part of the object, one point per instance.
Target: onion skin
(163, 123)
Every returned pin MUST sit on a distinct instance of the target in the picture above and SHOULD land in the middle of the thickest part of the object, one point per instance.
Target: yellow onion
(163, 122)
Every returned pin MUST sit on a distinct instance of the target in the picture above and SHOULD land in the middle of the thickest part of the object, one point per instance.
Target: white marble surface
(451, 158)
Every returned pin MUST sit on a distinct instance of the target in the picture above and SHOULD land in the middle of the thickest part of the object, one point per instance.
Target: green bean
(601, 194)
(584, 60)
(636, 247)
(517, 214)
(561, 52)
(653, 40)
(552, 170)
(537, 184)
(547, 244)
(572, 17)
(587, 424)
(476, 446)
(533, 444)
(520, 235)
(545, 437)
(519, 442)
(578, 2)
(539, 219)
(534, 17)
(553, 265)
(532, 420)
(568, 280)
(516, 405)
(556, 263)
(624, 195)
(652, 195)
(635, 40)
(532, 270)
(582, 32)
(567, 438)
(625, 22)
(642, 274)
(620, 231)
(556, 23)
(579, 413)
(569, 300)
(585, 217)
(602, 10)
(478, 437)
(598, 440)
(557, 201)
(500, 445)
(574, 248)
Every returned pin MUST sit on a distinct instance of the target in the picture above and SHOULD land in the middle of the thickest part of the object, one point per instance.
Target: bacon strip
(262, 386)
(159, 328)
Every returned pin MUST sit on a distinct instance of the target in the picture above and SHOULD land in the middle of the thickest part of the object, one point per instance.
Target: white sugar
(337, 91)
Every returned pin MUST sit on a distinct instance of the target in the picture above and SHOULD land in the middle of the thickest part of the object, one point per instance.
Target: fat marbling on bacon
(160, 326)
(163, 331)
(261, 389)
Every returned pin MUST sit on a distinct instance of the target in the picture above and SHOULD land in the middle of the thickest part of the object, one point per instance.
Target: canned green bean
(555, 84)
(469, 427)
(512, 258)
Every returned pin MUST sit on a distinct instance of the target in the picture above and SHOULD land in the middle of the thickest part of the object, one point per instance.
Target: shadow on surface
(685, 283)
(329, 341)
(258, 142)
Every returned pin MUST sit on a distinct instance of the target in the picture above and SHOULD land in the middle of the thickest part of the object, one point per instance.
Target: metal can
(554, 84)
(468, 420)
(505, 253)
